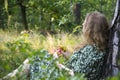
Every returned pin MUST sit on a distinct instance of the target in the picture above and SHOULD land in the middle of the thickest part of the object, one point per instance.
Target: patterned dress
(88, 60)
(43, 67)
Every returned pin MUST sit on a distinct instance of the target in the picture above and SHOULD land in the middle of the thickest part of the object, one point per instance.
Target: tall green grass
(16, 47)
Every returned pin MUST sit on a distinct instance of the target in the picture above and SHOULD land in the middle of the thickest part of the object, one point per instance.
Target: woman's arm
(61, 66)
(58, 53)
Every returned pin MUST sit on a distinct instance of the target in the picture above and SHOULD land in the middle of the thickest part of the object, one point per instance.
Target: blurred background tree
(50, 15)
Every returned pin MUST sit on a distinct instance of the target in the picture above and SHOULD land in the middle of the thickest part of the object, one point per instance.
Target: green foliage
(3, 15)
(18, 46)
(115, 77)
(15, 54)
(52, 15)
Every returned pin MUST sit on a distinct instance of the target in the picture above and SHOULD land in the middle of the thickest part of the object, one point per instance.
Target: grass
(15, 47)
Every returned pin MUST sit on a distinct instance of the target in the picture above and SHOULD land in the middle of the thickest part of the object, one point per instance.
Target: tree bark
(23, 12)
(114, 44)
(76, 13)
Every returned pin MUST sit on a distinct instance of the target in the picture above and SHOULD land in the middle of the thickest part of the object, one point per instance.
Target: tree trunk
(76, 13)
(23, 12)
(114, 44)
(116, 40)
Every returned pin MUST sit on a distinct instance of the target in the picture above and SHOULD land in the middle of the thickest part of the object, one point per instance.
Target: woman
(87, 60)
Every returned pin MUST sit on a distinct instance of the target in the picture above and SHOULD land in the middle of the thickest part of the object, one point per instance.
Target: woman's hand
(61, 51)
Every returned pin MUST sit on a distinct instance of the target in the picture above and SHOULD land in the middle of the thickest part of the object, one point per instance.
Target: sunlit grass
(38, 41)
(10, 60)
(49, 42)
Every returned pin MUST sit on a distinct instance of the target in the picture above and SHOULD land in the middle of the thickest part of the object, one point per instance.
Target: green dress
(88, 60)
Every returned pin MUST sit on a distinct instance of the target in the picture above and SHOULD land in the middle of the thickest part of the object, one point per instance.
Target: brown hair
(96, 30)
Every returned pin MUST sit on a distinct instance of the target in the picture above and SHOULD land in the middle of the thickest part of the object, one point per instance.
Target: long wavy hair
(96, 30)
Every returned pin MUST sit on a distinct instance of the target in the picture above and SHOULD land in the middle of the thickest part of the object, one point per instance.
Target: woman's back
(88, 60)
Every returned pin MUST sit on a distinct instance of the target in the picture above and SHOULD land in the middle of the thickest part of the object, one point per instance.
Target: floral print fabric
(88, 60)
